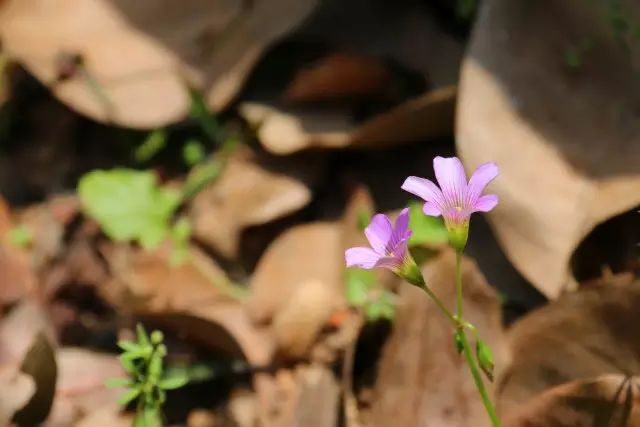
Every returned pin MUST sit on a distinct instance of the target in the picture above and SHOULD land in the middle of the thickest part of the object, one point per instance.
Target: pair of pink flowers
(455, 200)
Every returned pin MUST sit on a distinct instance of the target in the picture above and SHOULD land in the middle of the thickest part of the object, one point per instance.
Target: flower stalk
(455, 199)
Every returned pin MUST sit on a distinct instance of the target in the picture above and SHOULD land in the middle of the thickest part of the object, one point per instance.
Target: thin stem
(466, 348)
(477, 378)
(459, 305)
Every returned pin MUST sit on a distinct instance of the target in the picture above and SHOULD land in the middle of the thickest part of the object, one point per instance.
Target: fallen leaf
(339, 75)
(565, 138)
(288, 130)
(107, 416)
(129, 63)
(254, 189)
(588, 332)
(305, 396)
(433, 386)
(80, 388)
(297, 325)
(610, 400)
(314, 250)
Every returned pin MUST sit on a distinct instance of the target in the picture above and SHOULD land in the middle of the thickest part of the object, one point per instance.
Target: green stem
(459, 305)
(466, 349)
(441, 306)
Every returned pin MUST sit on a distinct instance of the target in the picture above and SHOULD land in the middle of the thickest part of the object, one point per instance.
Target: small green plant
(129, 205)
(147, 383)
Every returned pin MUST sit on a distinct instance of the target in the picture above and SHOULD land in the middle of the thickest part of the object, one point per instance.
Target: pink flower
(455, 199)
(388, 243)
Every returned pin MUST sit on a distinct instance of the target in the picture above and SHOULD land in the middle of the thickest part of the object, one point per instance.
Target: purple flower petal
(452, 179)
(424, 189)
(388, 262)
(431, 209)
(362, 257)
(485, 203)
(379, 233)
(479, 180)
(401, 228)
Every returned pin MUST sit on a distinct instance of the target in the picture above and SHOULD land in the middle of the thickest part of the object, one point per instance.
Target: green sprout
(147, 383)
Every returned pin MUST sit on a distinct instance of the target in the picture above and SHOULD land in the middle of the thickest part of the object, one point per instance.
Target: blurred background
(199, 167)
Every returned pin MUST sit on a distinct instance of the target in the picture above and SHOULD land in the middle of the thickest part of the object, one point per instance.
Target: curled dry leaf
(566, 138)
(253, 189)
(285, 131)
(130, 62)
(194, 299)
(609, 400)
(434, 386)
(590, 336)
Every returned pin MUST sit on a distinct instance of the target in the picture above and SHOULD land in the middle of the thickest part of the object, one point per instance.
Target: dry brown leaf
(81, 389)
(305, 396)
(610, 400)
(253, 189)
(339, 75)
(285, 131)
(302, 254)
(566, 139)
(107, 416)
(137, 57)
(433, 386)
(191, 299)
(297, 325)
(590, 336)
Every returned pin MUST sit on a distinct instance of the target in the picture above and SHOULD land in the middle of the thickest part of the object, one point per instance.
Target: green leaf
(141, 333)
(20, 236)
(129, 396)
(485, 358)
(427, 230)
(193, 152)
(129, 346)
(358, 284)
(118, 382)
(128, 205)
(173, 383)
(152, 144)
